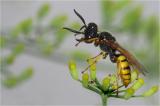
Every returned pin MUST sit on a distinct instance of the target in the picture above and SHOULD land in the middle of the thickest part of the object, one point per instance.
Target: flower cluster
(111, 85)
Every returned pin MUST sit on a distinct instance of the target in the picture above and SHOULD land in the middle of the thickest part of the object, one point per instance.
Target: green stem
(118, 91)
(98, 84)
(95, 89)
(122, 97)
(104, 99)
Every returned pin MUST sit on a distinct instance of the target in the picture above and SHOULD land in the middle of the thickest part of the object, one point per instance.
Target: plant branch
(104, 99)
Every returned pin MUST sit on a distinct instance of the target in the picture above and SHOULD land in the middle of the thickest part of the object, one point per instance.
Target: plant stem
(98, 84)
(95, 89)
(104, 99)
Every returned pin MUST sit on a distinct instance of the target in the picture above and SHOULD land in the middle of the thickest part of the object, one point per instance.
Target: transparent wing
(131, 59)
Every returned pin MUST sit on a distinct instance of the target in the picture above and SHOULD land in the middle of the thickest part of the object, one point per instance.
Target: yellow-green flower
(151, 91)
(92, 64)
(85, 79)
(111, 86)
(73, 70)
(105, 83)
(129, 93)
(138, 84)
(134, 75)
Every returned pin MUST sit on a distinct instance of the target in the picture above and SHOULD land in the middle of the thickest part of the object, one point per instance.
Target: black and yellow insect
(109, 46)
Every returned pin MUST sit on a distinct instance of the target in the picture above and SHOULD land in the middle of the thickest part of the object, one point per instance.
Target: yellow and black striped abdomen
(124, 70)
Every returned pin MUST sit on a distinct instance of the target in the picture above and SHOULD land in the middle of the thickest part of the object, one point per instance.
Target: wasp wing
(131, 59)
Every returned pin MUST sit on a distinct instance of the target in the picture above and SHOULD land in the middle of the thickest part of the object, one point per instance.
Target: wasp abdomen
(124, 70)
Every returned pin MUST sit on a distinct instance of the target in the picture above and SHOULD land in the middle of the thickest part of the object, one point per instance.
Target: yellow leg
(89, 66)
(96, 58)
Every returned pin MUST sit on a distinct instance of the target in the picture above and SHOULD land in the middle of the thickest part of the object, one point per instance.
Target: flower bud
(113, 79)
(92, 69)
(134, 75)
(85, 79)
(73, 70)
(129, 93)
(138, 84)
(151, 91)
(115, 87)
(105, 83)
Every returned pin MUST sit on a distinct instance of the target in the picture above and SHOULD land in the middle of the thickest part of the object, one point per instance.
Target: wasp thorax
(91, 30)
(106, 36)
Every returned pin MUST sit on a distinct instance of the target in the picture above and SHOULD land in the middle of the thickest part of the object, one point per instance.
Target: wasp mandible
(109, 46)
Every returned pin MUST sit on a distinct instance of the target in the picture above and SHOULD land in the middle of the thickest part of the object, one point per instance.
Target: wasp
(109, 46)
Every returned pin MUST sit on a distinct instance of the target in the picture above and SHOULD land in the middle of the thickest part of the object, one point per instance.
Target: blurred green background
(37, 39)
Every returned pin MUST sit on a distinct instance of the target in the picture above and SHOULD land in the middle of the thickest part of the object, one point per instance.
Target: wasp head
(91, 31)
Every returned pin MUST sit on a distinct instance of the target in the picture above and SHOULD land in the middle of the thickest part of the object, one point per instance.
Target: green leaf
(10, 59)
(2, 41)
(48, 49)
(133, 20)
(10, 82)
(151, 27)
(15, 31)
(121, 4)
(26, 26)
(26, 74)
(18, 49)
(43, 11)
(110, 9)
(58, 21)
(107, 12)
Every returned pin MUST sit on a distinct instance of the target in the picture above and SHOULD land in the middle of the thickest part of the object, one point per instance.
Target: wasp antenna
(82, 19)
(72, 30)
(82, 27)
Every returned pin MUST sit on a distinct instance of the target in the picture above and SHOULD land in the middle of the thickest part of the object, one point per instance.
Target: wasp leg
(104, 54)
(79, 41)
(89, 66)
(113, 57)
(85, 40)
(97, 58)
